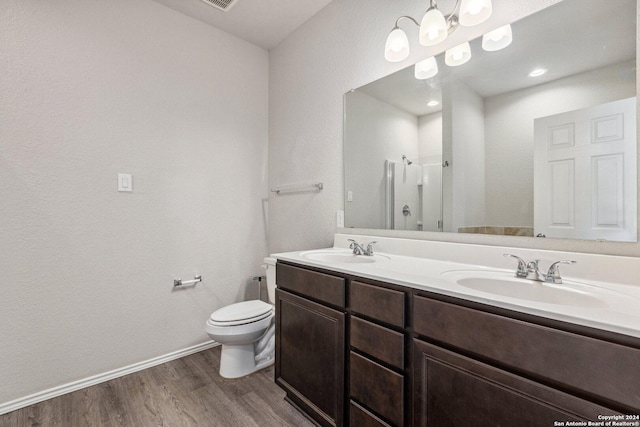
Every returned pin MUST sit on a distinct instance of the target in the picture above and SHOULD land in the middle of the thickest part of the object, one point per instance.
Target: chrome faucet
(523, 270)
(531, 270)
(554, 270)
(359, 250)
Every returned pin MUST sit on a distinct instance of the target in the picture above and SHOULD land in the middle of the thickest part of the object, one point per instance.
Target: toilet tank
(270, 265)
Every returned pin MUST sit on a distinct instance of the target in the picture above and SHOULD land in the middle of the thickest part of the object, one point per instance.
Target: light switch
(349, 196)
(340, 218)
(125, 182)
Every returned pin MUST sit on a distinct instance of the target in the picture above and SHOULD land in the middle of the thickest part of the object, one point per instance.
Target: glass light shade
(458, 55)
(397, 46)
(426, 68)
(474, 12)
(497, 39)
(433, 28)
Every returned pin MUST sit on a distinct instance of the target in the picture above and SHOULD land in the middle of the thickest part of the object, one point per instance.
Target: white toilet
(246, 331)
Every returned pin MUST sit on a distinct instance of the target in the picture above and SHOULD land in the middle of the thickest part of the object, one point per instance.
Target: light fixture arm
(406, 17)
(452, 18)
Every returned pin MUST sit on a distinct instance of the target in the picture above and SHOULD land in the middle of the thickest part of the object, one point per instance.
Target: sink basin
(507, 285)
(338, 256)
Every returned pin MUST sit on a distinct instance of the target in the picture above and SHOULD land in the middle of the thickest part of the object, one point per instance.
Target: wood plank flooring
(183, 392)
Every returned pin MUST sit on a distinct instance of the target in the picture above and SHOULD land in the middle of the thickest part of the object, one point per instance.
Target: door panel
(585, 173)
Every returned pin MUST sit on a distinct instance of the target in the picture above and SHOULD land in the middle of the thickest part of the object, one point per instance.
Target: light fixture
(538, 72)
(458, 55)
(474, 12)
(432, 103)
(426, 68)
(497, 39)
(397, 47)
(435, 27)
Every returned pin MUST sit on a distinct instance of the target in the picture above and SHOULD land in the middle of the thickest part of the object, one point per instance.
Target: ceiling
(261, 22)
(563, 38)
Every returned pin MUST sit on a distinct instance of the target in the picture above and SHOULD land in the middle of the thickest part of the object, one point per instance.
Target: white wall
(464, 148)
(379, 132)
(509, 132)
(468, 157)
(89, 89)
(430, 138)
(338, 49)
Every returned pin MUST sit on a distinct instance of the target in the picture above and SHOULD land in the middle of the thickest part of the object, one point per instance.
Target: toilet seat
(241, 313)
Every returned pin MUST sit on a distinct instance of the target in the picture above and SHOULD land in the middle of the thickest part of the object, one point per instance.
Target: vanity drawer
(378, 303)
(320, 286)
(360, 417)
(377, 388)
(378, 341)
(594, 368)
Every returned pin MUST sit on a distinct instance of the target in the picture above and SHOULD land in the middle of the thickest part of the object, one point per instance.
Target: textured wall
(466, 162)
(89, 89)
(509, 132)
(339, 49)
(430, 138)
(378, 132)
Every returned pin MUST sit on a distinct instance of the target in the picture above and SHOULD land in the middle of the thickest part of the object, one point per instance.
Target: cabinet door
(577, 363)
(453, 390)
(310, 354)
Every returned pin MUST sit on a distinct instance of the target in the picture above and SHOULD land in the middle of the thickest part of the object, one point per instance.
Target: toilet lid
(242, 311)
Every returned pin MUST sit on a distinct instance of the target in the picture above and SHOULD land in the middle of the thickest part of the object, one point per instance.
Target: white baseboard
(100, 378)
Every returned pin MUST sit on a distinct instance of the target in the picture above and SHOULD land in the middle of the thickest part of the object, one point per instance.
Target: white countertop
(617, 308)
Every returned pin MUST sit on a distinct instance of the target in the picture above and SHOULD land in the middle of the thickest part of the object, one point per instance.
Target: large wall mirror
(495, 147)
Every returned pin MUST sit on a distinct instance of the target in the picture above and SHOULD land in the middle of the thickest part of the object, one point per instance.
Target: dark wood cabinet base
(387, 355)
(453, 390)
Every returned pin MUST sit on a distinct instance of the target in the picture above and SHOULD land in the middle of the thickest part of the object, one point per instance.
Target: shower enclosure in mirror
(536, 139)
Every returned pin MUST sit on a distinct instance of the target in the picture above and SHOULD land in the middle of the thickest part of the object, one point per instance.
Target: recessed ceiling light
(432, 103)
(538, 72)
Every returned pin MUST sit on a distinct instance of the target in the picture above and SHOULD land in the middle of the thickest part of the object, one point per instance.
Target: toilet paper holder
(179, 282)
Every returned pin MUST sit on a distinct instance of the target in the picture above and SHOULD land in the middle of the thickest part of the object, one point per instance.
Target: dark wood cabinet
(322, 287)
(377, 377)
(378, 342)
(599, 370)
(356, 352)
(378, 303)
(361, 417)
(310, 357)
(378, 388)
(452, 390)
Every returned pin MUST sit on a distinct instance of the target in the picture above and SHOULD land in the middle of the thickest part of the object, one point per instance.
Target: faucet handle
(522, 265)
(355, 246)
(553, 275)
(369, 250)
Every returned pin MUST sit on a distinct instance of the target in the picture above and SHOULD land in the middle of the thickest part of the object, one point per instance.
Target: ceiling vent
(223, 5)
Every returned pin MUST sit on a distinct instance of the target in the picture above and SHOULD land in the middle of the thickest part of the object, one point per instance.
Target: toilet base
(238, 360)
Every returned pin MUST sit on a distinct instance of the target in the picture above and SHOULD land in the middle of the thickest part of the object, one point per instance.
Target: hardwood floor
(183, 392)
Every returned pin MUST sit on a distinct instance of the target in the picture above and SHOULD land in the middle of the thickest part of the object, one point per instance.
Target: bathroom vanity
(352, 349)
